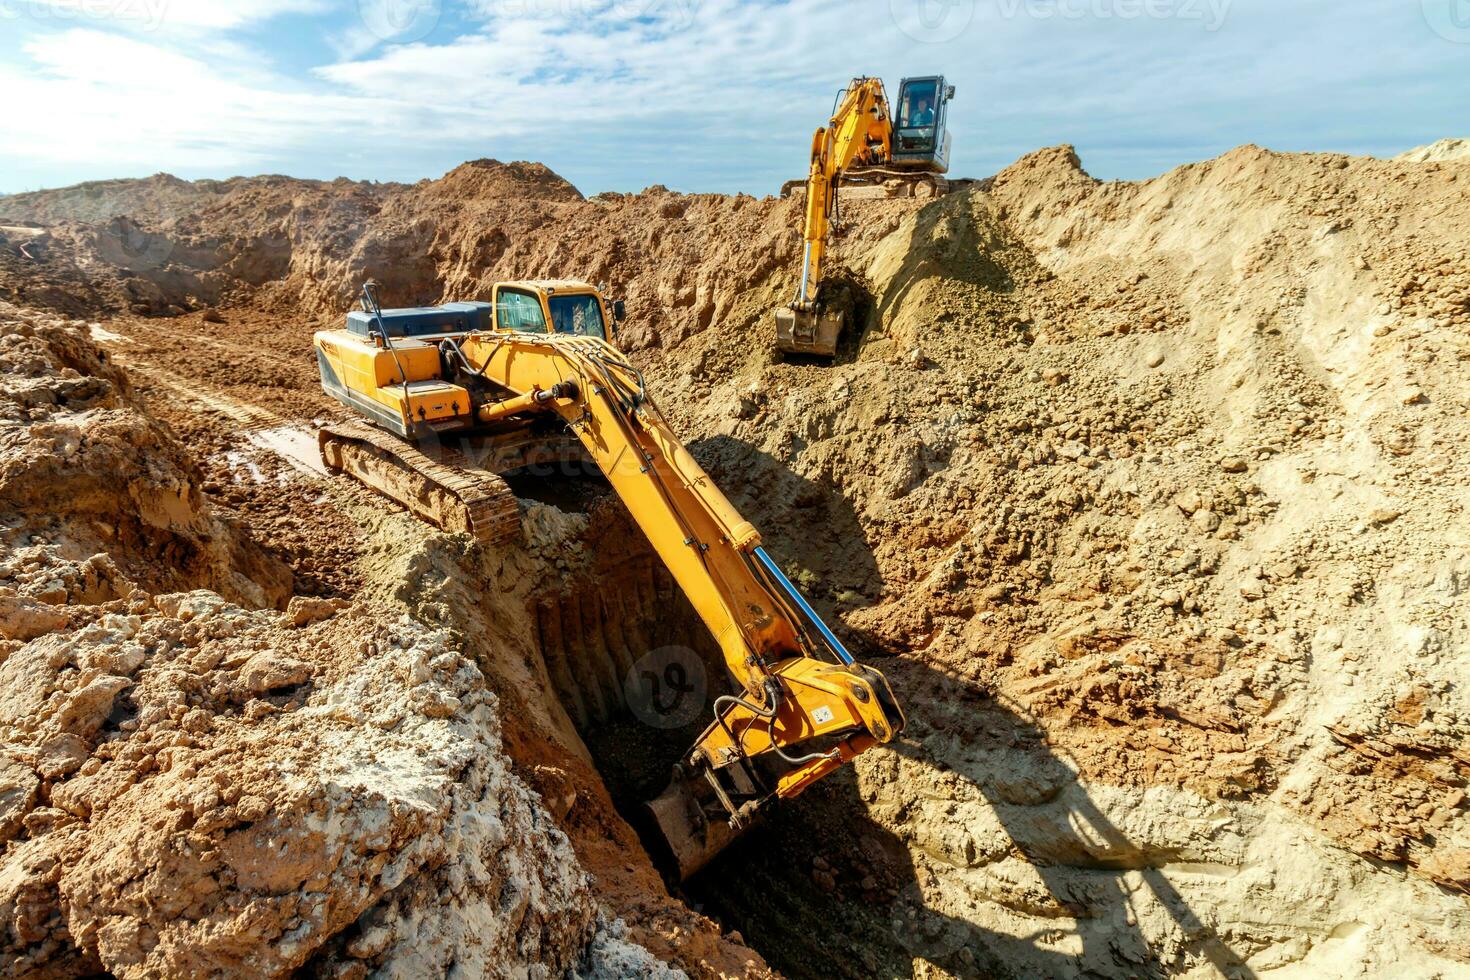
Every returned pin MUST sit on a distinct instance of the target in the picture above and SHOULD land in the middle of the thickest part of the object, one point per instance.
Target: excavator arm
(804, 705)
(860, 131)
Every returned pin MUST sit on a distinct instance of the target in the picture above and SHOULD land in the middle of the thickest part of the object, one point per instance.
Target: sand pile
(1445, 149)
(1148, 496)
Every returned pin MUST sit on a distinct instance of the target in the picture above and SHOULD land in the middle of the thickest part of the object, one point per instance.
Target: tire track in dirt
(261, 467)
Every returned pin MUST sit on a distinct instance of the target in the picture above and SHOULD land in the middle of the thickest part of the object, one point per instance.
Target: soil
(1148, 497)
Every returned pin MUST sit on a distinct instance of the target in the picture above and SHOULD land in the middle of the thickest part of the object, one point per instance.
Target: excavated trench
(629, 661)
(637, 671)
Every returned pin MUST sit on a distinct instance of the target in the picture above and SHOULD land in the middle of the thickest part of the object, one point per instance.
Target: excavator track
(433, 487)
(888, 182)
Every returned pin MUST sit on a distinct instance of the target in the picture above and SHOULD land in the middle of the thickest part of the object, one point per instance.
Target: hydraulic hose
(807, 612)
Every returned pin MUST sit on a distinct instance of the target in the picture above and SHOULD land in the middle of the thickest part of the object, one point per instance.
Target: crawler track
(436, 488)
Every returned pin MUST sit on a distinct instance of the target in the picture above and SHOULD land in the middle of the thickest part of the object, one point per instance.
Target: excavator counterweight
(528, 377)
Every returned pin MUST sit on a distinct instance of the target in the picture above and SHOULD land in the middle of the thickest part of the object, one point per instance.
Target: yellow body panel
(431, 401)
(377, 374)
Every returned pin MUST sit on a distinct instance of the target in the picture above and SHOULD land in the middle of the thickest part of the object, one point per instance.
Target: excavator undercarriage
(877, 183)
(454, 483)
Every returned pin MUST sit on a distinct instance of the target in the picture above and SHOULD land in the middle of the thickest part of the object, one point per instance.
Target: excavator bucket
(692, 833)
(808, 331)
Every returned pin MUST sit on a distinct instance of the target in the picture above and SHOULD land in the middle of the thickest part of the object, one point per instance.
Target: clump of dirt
(199, 789)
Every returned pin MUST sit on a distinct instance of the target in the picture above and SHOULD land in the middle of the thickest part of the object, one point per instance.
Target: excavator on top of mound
(457, 394)
(862, 145)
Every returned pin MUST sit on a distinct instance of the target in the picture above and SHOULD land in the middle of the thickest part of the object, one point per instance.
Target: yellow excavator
(862, 144)
(451, 396)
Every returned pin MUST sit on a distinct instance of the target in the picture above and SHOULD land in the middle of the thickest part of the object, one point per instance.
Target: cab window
(515, 310)
(581, 315)
(918, 107)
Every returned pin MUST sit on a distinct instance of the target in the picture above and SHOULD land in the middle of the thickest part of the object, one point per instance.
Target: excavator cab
(920, 140)
(562, 306)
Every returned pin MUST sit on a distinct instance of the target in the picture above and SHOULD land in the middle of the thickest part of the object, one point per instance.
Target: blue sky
(701, 95)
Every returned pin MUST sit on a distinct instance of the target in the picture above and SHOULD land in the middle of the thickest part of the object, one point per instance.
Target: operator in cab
(918, 109)
(923, 115)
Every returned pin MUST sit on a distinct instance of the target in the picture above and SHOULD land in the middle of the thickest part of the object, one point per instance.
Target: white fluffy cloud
(126, 103)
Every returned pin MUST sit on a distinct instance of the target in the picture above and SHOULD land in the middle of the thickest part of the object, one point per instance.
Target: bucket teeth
(808, 331)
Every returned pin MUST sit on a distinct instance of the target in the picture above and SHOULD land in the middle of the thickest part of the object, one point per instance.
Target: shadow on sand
(822, 889)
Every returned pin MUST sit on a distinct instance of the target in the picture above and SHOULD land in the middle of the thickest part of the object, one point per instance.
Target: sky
(701, 95)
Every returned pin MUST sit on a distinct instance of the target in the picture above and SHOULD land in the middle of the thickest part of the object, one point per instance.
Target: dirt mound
(492, 180)
(1445, 149)
(98, 498)
(155, 199)
(214, 791)
(1148, 496)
